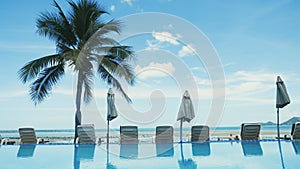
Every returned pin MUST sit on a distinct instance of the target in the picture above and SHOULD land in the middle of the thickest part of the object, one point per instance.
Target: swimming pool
(233, 155)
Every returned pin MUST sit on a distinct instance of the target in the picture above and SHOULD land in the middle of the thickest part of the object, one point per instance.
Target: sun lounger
(199, 133)
(250, 131)
(129, 135)
(164, 134)
(86, 134)
(28, 136)
(295, 133)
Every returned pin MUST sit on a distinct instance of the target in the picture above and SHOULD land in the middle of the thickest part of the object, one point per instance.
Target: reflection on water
(83, 152)
(296, 145)
(251, 148)
(164, 150)
(129, 150)
(110, 166)
(26, 151)
(186, 163)
(187, 155)
(201, 148)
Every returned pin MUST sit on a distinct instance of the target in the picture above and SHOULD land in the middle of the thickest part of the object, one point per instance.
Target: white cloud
(186, 50)
(153, 45)
(166, 37)
(129, 2)
(12, 94)
(169, 27)
(254, 76)
(251, 86)
(113, 8)
(154, 70)
(68, 92)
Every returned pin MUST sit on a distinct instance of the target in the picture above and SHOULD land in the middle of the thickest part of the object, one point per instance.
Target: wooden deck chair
(27, 136)
(295, 133)
(164, 134)
(129, 135)
(199, 133)
(250, 131)
(86, 134)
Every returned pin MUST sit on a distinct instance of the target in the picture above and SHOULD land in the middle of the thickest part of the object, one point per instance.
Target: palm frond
(83, 63)
(121, 70)
(56, 27)
(41, 87)
(69, 33)
(88, 84)
(32, 69)
(109, 27)
(122, 53)
(83, 14)
(107, 77)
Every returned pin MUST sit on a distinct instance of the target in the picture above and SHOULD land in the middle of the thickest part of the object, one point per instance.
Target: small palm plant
(83, 45)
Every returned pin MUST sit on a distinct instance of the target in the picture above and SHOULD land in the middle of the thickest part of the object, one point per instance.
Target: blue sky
(255, 41)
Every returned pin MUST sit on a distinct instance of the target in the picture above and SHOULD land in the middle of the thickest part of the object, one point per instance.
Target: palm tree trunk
(78, 103)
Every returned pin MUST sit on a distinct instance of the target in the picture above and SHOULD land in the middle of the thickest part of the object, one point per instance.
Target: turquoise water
(102, 132)
(211, 155)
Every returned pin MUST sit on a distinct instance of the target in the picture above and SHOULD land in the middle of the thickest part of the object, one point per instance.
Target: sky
(227, 54)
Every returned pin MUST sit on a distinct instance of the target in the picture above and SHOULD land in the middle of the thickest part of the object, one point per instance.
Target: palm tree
(83, 45)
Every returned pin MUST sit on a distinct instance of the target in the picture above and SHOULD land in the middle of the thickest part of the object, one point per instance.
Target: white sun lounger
(199, 133)
(296, 131)
(164, 134)
(129, 135)
(86, 134)
(250, 131)
(27, 136)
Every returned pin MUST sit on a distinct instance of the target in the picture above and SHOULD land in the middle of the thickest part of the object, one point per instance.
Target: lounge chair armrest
(40, 141)
(77, 140)
(3, 141)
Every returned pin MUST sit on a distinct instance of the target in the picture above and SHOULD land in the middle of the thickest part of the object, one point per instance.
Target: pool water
(233, 155)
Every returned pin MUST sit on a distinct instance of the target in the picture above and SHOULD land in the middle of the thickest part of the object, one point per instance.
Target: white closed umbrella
(186, 111)
(111, 110)
(282, 99)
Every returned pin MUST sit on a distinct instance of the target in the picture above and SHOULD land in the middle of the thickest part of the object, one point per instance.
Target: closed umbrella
(186, 111)
(282, 99)
(111, 110)
(111, 114)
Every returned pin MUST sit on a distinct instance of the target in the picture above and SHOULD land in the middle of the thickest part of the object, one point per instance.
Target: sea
(102, 132)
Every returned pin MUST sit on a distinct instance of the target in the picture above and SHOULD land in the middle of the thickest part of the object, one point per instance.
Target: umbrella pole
(107, 143)
(278, 132)
(107, 135)
(181, 148)
(181, 131)
(281, 156)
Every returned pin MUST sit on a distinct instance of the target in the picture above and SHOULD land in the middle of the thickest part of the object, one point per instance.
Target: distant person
(230, 136)
(236, 138)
